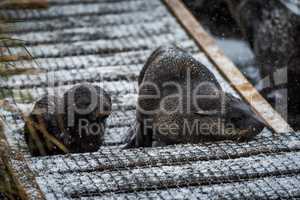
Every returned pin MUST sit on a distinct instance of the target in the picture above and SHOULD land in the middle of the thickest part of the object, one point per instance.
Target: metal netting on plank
(106, 43)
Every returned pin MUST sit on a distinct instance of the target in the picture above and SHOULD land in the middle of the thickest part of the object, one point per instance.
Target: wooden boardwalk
(106, 43)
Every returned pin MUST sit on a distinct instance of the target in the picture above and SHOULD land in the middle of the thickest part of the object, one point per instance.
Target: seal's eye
(236, 119)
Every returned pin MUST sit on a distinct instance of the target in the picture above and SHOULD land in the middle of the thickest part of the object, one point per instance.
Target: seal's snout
(243, 118)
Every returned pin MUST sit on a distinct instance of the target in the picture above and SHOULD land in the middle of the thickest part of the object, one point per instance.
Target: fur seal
(86, 110)
(272, 29)
(180, 101)
(72, 124)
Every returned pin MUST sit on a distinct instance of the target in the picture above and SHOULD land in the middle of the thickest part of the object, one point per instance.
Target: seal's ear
(249, 14)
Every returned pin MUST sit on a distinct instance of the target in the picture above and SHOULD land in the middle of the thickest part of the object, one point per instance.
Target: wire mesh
(106, 43)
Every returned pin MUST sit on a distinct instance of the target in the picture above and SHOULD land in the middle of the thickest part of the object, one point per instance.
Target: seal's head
(86, 108)
(73, 124)
(241, 120)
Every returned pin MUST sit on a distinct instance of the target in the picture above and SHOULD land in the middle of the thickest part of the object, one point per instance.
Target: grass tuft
(8, 68)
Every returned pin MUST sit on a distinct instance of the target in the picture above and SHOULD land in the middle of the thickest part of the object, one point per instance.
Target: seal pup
(180, 101)
(72, 124)
(86, 108)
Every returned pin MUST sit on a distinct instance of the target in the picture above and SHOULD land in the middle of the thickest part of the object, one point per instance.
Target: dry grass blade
(8, 58)
(6, 184)
(18, 71)
(24, 4)
(35, 136)
(13, 58)
(5, 27)
(8, 189)
(4, 104)
(49, 138)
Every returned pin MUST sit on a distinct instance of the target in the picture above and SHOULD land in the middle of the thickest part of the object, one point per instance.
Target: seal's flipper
(138, 137)
(131, 137)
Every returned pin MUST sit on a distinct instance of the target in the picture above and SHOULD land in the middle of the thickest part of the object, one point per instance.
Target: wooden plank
(227, 67)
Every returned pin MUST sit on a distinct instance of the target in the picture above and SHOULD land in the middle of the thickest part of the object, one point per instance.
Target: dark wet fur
(171, 64)
(43, 114)
(215, 16)
(89, 141)
(53, 114)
